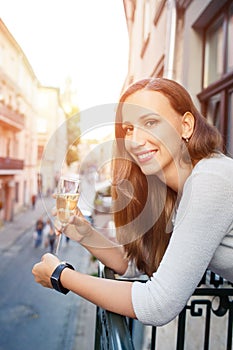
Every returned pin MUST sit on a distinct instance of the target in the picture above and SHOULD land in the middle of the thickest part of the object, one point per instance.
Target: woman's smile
(146, 156)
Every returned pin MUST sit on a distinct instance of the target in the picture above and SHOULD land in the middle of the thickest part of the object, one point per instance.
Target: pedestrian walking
(39, 232)
(49, 235)
(33, 201)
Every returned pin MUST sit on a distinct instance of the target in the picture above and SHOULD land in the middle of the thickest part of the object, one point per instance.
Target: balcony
(7, 163)
(11, 118)
(209, 309)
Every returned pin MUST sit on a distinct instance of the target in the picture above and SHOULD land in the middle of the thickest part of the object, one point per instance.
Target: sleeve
(203, 218)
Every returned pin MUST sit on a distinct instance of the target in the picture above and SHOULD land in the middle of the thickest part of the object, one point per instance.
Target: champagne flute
(66, 201)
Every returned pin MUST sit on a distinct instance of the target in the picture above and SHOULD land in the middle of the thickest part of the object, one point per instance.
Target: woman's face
(153, 132)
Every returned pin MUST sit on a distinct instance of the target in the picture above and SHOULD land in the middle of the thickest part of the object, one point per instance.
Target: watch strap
(55, 277)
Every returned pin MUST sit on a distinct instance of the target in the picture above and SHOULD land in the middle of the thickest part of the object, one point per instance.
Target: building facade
(190, 41)
(51, 138)
(21, 122)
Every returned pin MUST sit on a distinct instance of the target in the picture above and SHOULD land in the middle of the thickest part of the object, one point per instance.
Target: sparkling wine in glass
(66, 201)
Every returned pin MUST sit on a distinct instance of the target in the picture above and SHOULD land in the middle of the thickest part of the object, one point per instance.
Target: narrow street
(32, 317)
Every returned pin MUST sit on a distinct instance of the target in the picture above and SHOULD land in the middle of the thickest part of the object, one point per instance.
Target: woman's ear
(188, 122)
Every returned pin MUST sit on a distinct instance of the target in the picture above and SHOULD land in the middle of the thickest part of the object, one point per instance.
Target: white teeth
(145, 155)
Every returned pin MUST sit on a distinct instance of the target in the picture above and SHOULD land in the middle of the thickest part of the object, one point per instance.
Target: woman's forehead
(145, 102)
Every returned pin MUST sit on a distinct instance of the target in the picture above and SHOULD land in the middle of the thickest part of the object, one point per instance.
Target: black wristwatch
(55, 277)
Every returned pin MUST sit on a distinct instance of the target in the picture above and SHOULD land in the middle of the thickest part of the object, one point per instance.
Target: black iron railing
(213, 299)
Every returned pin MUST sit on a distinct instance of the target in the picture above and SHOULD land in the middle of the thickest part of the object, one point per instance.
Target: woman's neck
(176, 177)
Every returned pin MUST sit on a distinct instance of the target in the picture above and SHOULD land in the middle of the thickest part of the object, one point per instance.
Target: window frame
(224, 83)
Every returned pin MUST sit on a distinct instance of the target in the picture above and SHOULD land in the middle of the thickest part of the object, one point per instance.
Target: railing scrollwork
(212, 299)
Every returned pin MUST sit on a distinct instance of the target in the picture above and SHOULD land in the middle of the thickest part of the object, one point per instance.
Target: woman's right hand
(78, 227)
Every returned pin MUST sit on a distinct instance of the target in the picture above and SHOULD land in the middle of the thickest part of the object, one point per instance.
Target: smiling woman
(170, 182)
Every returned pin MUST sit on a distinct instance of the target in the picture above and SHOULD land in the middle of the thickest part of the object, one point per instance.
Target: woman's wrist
(66, 278)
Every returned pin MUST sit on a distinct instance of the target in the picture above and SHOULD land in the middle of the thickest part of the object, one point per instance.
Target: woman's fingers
(43, 269)
(57, 227)
(78, 228)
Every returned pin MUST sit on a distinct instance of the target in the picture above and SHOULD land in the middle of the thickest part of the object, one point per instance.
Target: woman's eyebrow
(142, 117)
(150, 114)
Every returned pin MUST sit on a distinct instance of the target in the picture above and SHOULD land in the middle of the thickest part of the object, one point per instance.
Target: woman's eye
(128, 129)
(150, 123)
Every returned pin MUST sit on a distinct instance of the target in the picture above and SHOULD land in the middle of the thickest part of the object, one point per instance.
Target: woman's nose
(138, 137)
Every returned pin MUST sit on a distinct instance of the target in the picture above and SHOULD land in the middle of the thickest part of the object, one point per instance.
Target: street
(33, 317)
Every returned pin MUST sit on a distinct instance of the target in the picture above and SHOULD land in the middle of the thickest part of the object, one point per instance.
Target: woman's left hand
(43, 270)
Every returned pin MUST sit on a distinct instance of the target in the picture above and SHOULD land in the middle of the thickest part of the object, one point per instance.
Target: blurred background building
(190, 41)
(29, 114)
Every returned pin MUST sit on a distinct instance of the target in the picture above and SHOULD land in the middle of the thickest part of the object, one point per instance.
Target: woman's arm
(111, 295)
(108, 252)
(204, 217)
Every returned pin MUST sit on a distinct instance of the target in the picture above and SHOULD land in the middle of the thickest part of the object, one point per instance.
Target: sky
(85, 40)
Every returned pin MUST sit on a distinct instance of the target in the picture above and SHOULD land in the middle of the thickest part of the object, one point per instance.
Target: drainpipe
(171, 39)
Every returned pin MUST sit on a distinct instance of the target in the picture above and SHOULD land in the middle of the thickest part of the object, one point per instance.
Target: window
(213, 110)
(40, 151)
(218, 43)
(17, 192)
(214, 52)
(8, 147)
(216, 96)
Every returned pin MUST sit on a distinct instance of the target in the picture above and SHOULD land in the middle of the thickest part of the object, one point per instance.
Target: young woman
(172, 190)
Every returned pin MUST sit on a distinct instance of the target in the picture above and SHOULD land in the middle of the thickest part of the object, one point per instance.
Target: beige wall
(145, 55)
(20, 114)
(191, 74)
(51, 128)
(173, 44)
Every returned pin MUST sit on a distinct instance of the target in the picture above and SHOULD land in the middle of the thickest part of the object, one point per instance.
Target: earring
(186, 139)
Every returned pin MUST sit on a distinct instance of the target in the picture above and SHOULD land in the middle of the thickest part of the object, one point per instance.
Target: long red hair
(143, 204)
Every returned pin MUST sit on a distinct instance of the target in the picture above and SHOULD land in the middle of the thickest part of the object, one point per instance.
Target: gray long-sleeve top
(202, 238)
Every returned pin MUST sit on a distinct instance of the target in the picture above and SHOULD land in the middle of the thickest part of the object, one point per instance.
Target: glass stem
(58, 243)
